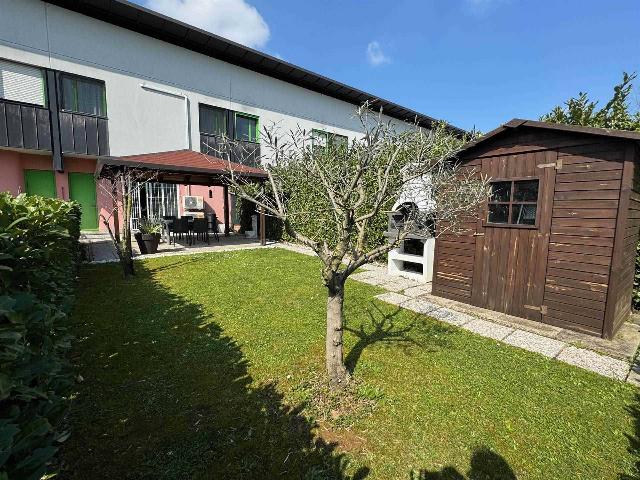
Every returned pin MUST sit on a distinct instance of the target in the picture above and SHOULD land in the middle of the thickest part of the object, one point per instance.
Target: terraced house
(87, 80)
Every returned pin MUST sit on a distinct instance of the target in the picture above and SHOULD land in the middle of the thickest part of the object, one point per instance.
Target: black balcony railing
(24, 125)
(245, 153)
(84, 134)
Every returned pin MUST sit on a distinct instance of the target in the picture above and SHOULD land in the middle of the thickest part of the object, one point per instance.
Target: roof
(516, 123)
(125, 14)
(183, 162)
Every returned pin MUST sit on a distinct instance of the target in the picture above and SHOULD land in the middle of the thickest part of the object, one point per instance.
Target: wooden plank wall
(454, 257)
(628, 233)
(585, 209)
(510, 259)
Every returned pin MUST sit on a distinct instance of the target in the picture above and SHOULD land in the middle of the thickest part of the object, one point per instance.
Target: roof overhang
(156, 167)
(130, 16)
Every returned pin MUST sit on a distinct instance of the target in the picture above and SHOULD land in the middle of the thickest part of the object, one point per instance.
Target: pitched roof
(125, 14)
(184, 161)
(518, 123)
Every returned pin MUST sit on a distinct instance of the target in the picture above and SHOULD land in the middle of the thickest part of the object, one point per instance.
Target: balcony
(245, 153)
(84, 134)
(24, 125)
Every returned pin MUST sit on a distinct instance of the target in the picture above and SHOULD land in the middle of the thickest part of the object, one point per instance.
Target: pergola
(185, 167)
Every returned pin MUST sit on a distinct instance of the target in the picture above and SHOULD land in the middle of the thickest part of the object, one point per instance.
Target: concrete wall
(143, 120)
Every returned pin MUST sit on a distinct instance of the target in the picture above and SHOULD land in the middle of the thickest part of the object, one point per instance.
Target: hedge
(39, 254)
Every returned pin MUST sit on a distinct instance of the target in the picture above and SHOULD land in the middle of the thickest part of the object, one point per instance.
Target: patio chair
(180, 228)
(214, 226)
(201, 229)
(169, 220)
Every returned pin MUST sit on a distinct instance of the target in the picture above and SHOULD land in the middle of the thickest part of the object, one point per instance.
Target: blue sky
(471, 62)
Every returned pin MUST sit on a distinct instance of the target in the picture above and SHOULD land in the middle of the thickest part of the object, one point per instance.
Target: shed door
(512, 238)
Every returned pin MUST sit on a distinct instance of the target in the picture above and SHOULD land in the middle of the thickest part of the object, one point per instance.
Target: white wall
(142, 120)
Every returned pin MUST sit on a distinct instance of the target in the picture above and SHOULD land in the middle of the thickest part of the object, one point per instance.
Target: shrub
(39, 254)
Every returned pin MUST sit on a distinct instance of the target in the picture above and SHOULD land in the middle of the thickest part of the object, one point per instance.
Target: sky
(474, 63)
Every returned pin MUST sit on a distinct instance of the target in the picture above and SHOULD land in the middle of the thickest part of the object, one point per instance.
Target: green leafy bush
(39, 254)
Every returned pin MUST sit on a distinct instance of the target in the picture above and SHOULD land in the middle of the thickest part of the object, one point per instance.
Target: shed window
(513, 202)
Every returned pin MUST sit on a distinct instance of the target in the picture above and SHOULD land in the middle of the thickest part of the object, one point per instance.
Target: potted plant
(149, 234)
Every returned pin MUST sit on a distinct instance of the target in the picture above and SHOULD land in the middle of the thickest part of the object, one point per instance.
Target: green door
(82, 189)
(40, 182)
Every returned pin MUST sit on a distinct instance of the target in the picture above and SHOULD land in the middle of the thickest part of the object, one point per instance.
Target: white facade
(153, 88)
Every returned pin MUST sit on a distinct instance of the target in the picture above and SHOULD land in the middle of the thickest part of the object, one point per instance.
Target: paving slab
(421, 306)
(533, 342)
(419, 290)
(623, 346)
(488, 329)
(393, 298)
(451, 316)
(590, 360)
(634, 374)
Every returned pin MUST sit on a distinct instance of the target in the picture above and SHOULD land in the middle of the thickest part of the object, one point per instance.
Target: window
(21, 83)
(246, 127)
(83, 95)
(213, 120)
(513, 202)
(322, 140)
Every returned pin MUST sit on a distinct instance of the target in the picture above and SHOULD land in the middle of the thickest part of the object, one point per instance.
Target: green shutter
(40, 182)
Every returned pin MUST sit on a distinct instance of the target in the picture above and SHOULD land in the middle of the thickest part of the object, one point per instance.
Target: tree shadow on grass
(634, 440)
(167, 395)
(485, 465)
(386, 329)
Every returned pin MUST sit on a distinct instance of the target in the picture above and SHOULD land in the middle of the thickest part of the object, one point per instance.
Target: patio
(99, 248)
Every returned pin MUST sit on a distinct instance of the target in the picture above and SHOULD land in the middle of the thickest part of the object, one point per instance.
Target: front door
(82, 189)
(40, 182)
(512, 238)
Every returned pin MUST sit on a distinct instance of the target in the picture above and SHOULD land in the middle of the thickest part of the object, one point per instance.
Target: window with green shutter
(246, 127)
(83, 95)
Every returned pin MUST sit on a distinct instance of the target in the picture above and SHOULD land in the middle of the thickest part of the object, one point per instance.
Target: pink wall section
(11, 173)
(214, 204)
(13, 164)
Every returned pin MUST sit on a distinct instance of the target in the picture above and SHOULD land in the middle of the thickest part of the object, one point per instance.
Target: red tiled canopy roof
(188, 161)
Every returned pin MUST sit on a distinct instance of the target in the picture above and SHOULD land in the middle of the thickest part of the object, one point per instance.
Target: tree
(616, 114)
(123, 185)
(346, 186)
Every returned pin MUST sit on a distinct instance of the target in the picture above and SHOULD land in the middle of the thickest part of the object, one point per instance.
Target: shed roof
(517, 123)
(125, 14)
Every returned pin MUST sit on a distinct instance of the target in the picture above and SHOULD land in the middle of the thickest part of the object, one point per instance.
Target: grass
(203, 367)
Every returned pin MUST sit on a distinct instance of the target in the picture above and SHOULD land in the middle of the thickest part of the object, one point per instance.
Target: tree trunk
(336, 369)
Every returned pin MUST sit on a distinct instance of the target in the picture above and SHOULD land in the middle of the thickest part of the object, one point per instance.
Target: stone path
(417, 297)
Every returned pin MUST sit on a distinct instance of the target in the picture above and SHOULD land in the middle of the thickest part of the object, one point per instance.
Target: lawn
(200, 368)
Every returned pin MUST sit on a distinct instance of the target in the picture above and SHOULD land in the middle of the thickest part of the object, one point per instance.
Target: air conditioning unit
(192, 202)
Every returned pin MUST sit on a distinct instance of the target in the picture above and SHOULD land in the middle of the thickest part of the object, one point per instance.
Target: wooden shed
(556, 241)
